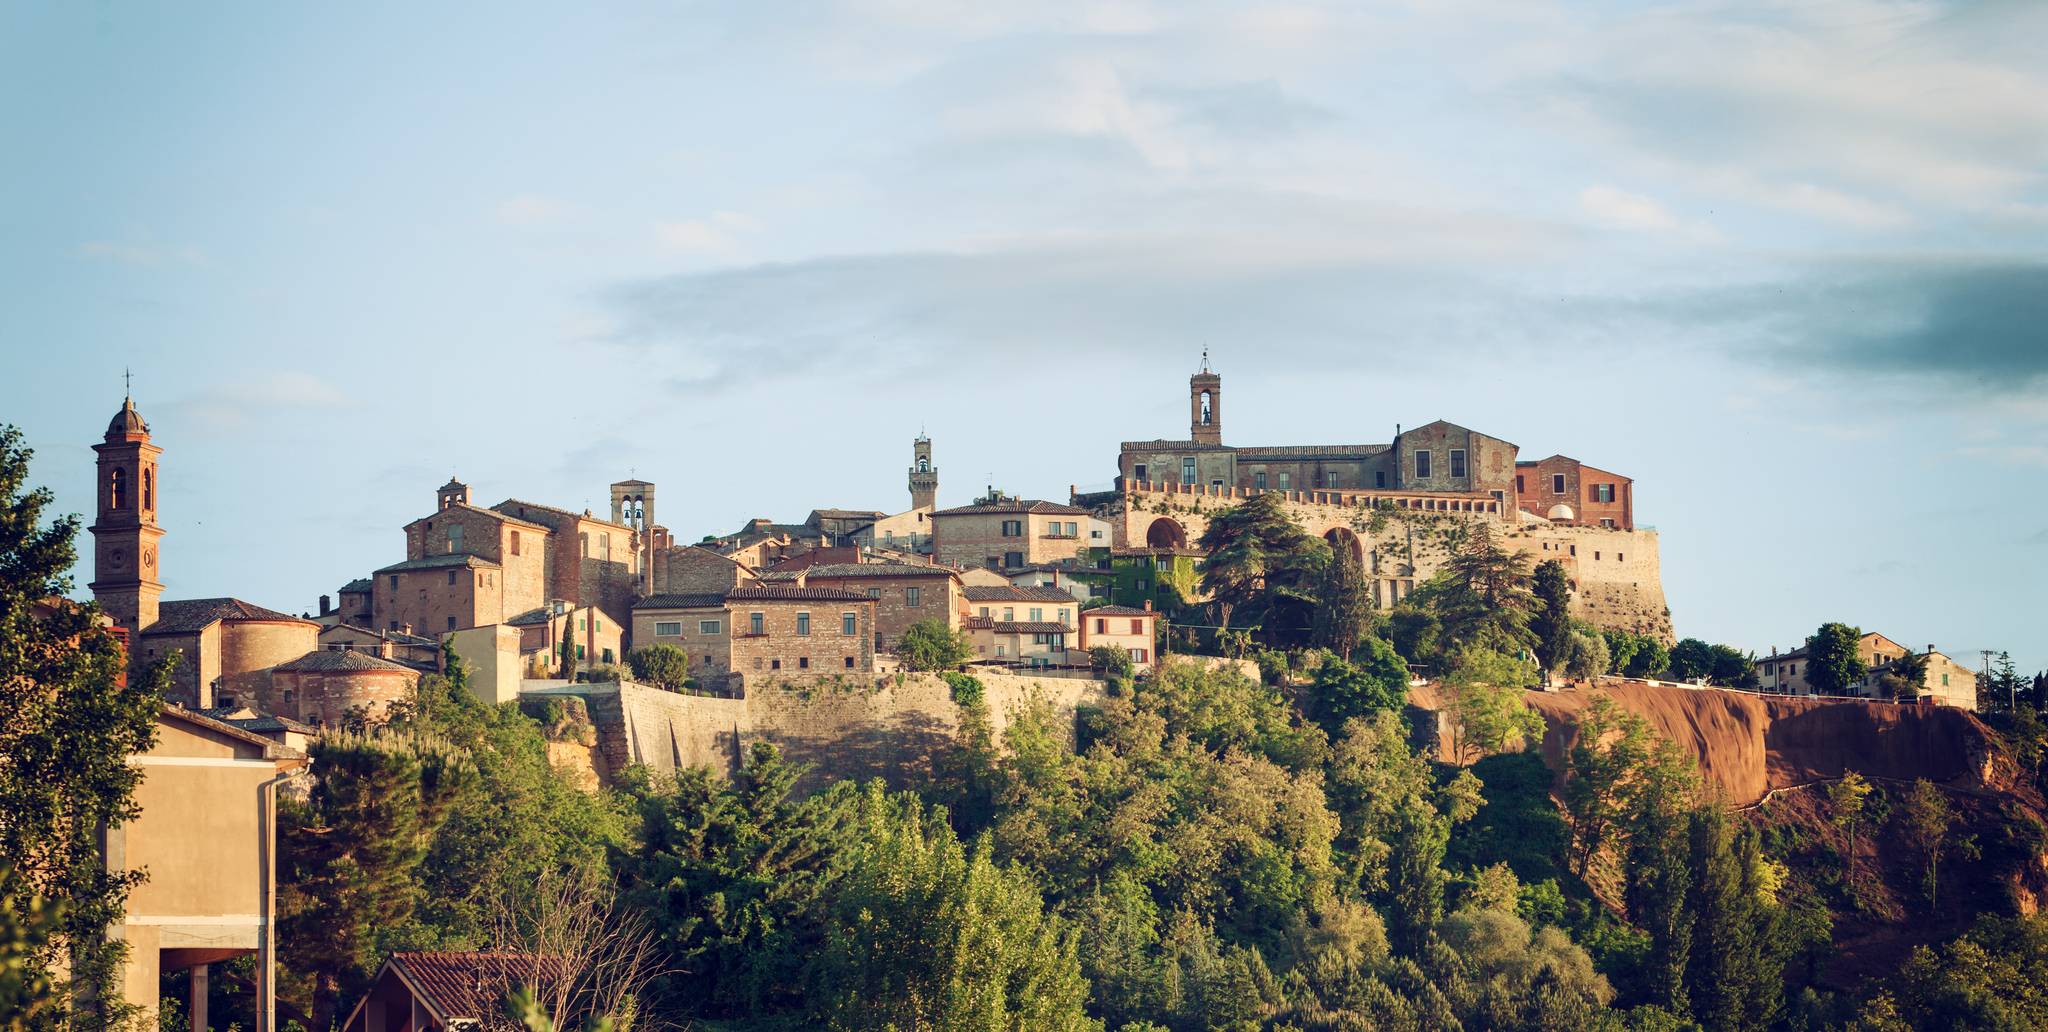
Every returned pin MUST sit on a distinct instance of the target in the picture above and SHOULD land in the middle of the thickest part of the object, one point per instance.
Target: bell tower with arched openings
(124, 527)
(924, 477)
(1205, 405)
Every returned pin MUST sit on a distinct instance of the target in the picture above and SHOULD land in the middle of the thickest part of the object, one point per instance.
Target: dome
(1560, 512)
(126, 422)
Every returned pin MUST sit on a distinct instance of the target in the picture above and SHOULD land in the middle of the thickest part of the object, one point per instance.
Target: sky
(1785, 264)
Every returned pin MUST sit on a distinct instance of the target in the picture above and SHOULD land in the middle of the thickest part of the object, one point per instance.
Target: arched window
(117, 490)
(924, 465)
(1206, 414)
(148, 490)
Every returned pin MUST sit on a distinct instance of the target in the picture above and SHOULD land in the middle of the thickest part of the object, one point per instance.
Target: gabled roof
(846, 514)
(781, 593)
(341, 661)
(502, 517)
(505, 508)
(711, 600)
(461, 986)
(1013, 593)
(1118, 611)
(258, 723)
(394, 637)
(1434, 423)
(1024, 506)
(195, 718)
(185, 616)
(435, 562)
(848, 570)
(361, 585)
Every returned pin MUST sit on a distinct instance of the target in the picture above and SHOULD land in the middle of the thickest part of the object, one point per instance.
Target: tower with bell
(125, 530)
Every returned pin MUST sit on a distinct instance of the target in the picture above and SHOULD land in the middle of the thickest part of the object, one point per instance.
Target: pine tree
(1552, 621)
(69, 730)
(1346, 611)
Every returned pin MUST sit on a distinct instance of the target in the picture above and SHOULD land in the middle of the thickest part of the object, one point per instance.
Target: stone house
(413, 650)
(697, 570)
(1022, 626)
(590, 560)
(903, 593)
(1007, 533)
(229, 647)
(778, 631)
(599, 639)
(1784, 673)
(1135, 630)
(1947, 682)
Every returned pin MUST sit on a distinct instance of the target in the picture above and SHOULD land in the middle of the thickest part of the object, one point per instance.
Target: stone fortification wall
(1403, 539)
(890, 727)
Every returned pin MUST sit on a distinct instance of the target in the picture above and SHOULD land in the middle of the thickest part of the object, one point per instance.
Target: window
(1259, 480)
(584, 539)
(394, 580)
(451, 623)
(849, 624)
(1013, 559)
(668, 628)
(1575, 549)
(1138, 472)
(451, 576)
(774, 664)
(757, 623)
(1009, 614)
(1422, 464)
(1596, 555)
(849, 662)
(455, 539)
(1137, 625)
(1037, 615)
(703, 627)
(803, 625)
(1063, 616)
(874, 593)
(1218, 482)
(803, 662)
(1013, 528)
(1101, 626)
(117, 490)
(1001, 650)
(579, 651)
(1557, 483)
(1187, 471)
(757, 663)
(607, 655)
(1457, 462)
(912, 597)
(1073, 529)
(984, 612)
(1609, 524)
(1603, 492)
(148, 489)
(515, 542)
(1139, 656)
(1519, 488)
(604, 547)
(1283, 481)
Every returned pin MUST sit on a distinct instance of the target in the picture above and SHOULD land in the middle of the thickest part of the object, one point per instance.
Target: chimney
(1148, 605)
(325, 606)
(405, 628)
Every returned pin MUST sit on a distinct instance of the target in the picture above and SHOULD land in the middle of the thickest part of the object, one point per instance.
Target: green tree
(1904, 678)
(1691, 659)
(1993, 977)
(2003, 687)
(1927, 819)
(1552, 621)
(349, 856)
(1586, 656)
(1378, 680)
(1621, 649)
(1345, 612)
(1114, 661)
(923, 933)
(1263, 569)
(1485, 602)
(1846, 799)
(1416, 633)
(1649, 658)
(1732, 669)
(70, 728)
(1834, 660)
(731, 873)
(929, 644)
(29, 995)
(1484, 692)
(661, 665)
(1738, 944)
(567, 672)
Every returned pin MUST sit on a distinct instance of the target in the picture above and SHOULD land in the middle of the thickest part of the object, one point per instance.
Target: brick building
(326, 686)
(545, 632)
(769, 632)
(1023, 626)
(1562, 489)
(229, 648)
(592, 561)
(1003, 532)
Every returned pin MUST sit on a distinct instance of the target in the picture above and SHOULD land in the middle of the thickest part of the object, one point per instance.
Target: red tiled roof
(786, 593)
(1117, 611)
(1030, 506)
(187, 615)
(1030, 627)
(1012, 593)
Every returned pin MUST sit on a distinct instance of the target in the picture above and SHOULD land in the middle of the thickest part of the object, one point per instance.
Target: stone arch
(1342, 537)
(1166, 532)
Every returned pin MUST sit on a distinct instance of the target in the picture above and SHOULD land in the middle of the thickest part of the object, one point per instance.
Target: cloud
(711, 235)
(1984, 325)
(229, 407)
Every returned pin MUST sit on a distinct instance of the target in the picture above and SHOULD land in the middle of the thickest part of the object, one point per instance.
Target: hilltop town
(527, 592)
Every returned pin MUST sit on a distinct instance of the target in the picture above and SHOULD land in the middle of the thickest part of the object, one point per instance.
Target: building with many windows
(762, 633)
(1002, 532)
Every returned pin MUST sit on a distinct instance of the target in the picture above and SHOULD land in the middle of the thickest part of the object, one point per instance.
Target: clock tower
(125, 531)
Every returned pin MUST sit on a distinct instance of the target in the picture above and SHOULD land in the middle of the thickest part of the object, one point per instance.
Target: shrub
(931, 645)
(663, 666)
(966, 688)
(1114, 660)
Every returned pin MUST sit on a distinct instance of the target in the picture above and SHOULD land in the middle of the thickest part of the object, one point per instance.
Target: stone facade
(1001, 532)
(696, 570)
(599, 639)
(768, 632)
(228, 647)
(902, 594)
(1030, 627)
(495, 663)
(591, 561)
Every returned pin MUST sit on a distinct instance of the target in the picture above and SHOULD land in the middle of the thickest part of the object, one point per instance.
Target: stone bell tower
(1205, 405)
(924, 477)
(124, 528)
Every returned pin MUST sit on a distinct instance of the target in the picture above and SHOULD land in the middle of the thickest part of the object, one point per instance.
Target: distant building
(903, 594)
(763, 633)
(1564, 490)
(1136, 631)
(1000, 532)
(1784, 673)
(1029, 627)
(443, 991)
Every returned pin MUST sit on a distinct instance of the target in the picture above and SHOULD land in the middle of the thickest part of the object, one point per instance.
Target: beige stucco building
(999, 532)
(206, 836)
(1134, 630)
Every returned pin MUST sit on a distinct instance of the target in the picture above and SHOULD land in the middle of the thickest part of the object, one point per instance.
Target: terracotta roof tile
(341, 661)
(1013, 593)
(187, 615)
(1027, 506)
